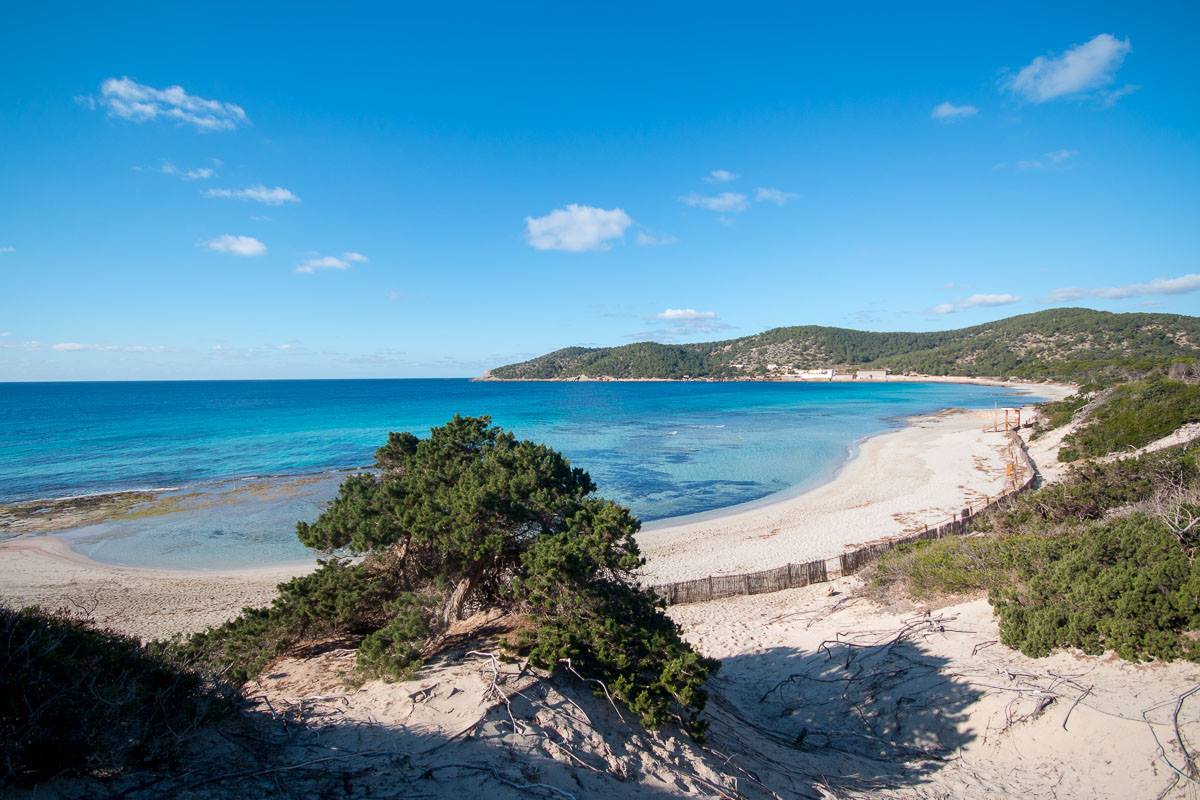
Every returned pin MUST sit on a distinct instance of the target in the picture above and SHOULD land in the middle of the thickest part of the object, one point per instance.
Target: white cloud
(1110, 98)
(8, 249)
(237, 245)
(720, 176)
(685, 314)
(679, 323)
(258, 193)
(724, 202)
(318, 263)
(1184, 284)
(948, 112)
(75, 347)
(976, 301)
(128, 99)
(1055, 158)
(576, 228)
(776, 196)
(1080, 69)
(646, 240)
(197, 174)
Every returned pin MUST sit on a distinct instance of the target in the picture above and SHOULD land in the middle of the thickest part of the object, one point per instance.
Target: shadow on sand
(852, 717)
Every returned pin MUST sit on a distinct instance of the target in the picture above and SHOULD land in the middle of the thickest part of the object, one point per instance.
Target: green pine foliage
(472, 519)
(1061, 343)
(1125, 586)
(1134, 415)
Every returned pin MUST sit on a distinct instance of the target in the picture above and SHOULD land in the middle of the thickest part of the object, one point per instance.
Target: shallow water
(250, 458)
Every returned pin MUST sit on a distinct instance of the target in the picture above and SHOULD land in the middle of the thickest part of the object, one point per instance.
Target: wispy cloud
(1055, 158)
(724, 202)
(76, 347)
(679, 323)
(976, 301)
(127, 99)
(258, 193)
(685, 314)
(197, 174)
(949, 112)
(576, 228)
(1079, 70)
(720, 176)
(236, 245)
(8, 249)
(1184, 284)
(319, 263)
(765, 194)
(648, 240)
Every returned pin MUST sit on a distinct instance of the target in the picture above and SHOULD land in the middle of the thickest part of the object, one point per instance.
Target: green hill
(1062, 343)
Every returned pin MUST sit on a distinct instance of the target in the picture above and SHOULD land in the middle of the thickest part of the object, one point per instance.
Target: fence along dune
(822, 570)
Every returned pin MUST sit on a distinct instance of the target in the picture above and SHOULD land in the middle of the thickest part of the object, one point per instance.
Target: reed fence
(821, 570)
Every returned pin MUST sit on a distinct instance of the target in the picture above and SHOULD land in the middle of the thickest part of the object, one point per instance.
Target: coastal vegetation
(76, 698)
(1105, 559)
(1132, 415)
(472, 520)
(1075, 344)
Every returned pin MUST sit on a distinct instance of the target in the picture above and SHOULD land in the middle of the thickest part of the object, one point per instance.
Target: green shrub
(1057, 413)
(337, 599)
(609, 628)
(473, 518)
(393, 652)
(74, 698)
(1124, 586)
(955, 565)
(1090, 491)
(1136, 414)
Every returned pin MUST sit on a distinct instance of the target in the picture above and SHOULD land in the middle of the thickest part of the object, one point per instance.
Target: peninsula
(1062, 344)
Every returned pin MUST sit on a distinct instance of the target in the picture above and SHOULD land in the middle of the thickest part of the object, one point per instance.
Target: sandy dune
(821, 694)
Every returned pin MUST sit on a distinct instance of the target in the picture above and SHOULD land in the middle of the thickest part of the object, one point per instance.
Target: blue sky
(285, 190)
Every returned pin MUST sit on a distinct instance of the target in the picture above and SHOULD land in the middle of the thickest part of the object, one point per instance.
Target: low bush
(471, 519)
(1090, 491)
(1057, 413)
(77, 699)
(1136, 414)
(955, 565)
(1123, 585)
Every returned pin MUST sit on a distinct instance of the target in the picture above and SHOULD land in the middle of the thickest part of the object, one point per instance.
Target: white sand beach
(900, 481)
(147, 603)
(919, 474)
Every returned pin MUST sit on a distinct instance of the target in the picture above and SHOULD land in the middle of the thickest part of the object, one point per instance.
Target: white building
(813, 375)
(871, 375)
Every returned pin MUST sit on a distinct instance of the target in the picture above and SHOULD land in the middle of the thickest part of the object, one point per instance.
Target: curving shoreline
(899, 481)
(895, 479)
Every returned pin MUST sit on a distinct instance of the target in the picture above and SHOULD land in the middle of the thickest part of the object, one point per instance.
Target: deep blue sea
(245, 460)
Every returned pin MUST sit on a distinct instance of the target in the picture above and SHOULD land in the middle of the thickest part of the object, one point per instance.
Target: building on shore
(871, 375)
(811, 375)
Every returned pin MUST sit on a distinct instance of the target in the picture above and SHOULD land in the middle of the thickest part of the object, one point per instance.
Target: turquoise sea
(244, 460)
